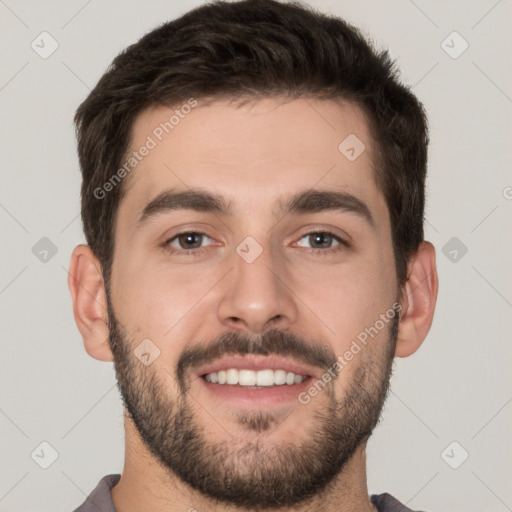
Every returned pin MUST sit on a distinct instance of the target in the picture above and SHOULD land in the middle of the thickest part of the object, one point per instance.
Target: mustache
(271, 342)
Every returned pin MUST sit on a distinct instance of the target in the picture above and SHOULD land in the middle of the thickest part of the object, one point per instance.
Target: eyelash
(343, 244)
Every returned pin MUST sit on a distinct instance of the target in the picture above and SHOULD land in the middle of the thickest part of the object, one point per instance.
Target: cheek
(348, 298)
(157, 300)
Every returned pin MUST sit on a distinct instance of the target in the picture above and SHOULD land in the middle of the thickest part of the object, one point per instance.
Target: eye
(322, 241)
(191, 242)
(188, 241)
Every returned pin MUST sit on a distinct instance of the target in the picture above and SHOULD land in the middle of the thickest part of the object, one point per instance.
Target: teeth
(252, 378)
(231, 376)
(265, 378)
(279, 377)
(247, 377)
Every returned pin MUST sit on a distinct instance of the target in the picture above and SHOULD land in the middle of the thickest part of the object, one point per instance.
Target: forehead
(254, 154)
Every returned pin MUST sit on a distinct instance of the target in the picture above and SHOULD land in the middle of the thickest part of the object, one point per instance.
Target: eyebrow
(310, 201)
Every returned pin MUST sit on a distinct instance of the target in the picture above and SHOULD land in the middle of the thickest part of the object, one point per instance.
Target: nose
(257, 296)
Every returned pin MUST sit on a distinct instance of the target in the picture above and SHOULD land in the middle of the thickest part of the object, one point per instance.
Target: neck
(146, 485)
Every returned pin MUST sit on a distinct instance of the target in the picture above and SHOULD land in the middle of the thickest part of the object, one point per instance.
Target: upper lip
(257, 362)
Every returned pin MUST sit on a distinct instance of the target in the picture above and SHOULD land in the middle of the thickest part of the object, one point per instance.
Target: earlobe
(87, 287)
(419, 301)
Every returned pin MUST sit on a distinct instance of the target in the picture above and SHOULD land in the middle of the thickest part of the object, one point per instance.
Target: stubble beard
(251, 474)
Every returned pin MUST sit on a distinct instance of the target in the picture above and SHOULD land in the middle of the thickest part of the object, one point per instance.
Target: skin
(254, 156)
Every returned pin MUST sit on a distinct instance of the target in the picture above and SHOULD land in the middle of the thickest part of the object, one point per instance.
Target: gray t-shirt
(100, 499)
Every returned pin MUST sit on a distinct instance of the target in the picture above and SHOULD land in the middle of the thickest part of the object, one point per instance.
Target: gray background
(457, 387)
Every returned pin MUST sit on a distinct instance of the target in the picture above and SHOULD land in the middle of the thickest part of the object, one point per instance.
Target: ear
(419, 295)
(87, 287)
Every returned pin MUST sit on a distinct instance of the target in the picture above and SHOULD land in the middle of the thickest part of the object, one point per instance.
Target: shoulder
(100, 498)
(387, 503)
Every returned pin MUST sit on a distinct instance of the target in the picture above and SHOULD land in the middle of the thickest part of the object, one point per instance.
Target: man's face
(269, 291)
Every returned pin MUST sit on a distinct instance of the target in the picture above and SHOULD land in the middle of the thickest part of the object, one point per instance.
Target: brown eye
(190, 241)
(322, 242)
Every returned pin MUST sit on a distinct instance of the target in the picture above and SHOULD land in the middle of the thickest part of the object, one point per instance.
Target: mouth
(252, 379)
(255, 380)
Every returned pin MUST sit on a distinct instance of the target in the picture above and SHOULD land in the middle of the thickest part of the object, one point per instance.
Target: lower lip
(266, 396)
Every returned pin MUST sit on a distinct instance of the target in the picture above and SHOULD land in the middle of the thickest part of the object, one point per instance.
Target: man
(252, 198)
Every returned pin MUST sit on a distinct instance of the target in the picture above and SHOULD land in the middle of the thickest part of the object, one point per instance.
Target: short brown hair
(253, 49)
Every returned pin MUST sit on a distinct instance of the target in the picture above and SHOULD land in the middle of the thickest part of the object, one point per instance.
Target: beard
(242, 472)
